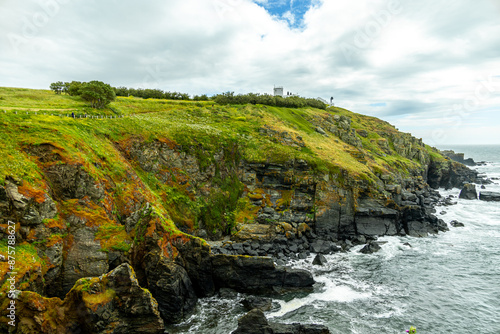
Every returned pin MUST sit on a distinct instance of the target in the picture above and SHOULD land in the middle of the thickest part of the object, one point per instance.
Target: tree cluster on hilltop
(100, 95)
(269, 100)
(97, 93)
(157, 94)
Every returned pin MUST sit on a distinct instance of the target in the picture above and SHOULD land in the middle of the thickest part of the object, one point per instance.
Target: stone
(296, 328)
(319, 260)
(255, 322)
(113, 303)
(256, 274)
(370, 248)
(254, 302)
(320, 131)
(362, 133)
(302, 255)
(489, 196)
(317, 246)
(456, 223)
(468, 191)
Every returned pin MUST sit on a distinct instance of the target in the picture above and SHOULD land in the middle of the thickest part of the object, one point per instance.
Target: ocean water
(447, 283)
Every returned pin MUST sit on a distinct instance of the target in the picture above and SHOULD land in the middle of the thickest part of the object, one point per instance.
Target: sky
(429, 67)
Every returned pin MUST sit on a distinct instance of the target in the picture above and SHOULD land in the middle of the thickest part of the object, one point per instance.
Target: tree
(74, 88)
(97, 93)
(57, 87)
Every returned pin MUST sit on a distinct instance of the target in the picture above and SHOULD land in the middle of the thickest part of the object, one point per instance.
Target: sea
(444, 283)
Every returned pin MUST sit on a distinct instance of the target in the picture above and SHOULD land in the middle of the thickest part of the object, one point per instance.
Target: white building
(278, 91)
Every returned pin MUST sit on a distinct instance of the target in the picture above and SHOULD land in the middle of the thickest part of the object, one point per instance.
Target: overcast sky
(430, 67)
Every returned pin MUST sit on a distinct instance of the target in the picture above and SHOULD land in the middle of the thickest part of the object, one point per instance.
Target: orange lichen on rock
(30, 192)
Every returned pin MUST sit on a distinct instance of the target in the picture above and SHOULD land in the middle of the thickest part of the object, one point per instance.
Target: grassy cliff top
(262, 133)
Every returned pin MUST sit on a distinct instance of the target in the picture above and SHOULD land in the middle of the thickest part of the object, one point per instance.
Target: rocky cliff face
(87, 213)
(72, 231)
(112, 303)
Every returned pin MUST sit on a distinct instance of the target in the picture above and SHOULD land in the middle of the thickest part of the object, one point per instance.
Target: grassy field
(185, 122)
(29, 118)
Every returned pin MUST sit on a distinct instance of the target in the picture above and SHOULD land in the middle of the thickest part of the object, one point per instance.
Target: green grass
(202, 129)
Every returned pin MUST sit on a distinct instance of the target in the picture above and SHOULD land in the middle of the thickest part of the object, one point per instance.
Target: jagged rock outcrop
(257, 274)
(468, 191)
(459, 157)
(255, 322)
(112, 303)
(449, 174)
(489, 196)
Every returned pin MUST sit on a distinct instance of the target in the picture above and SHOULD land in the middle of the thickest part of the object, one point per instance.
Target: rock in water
(260, 303)
(319, 260)
(489, 196)
(254, 322)
(468, 191)
(456, 223)
(371, 247)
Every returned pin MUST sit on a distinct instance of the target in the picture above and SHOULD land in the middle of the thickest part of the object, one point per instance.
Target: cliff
(142, 194)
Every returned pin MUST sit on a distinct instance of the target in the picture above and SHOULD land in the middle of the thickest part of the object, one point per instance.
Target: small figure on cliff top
(73, 114)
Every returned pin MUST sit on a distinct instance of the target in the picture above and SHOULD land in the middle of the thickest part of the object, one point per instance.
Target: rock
(255, 322)
(370, 248)
(319, 260)
(442, 226)
(321, 131)
(483, 187)
(296, 328)
(407, 244)
(373, 218)
(362, 133)
(227, 293)
(468, 191)
(489, 196)
(113, 303)
(84, 258)
(302, 255)
(260, 303)
(456, 223)
(317, 246)
(256, 274)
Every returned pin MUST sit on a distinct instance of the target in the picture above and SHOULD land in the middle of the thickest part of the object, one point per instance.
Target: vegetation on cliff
(137, 187)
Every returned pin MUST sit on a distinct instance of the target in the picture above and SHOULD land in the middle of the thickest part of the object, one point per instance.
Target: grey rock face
(468, 191)
(489, 196)
(255, 322)
(256, 274)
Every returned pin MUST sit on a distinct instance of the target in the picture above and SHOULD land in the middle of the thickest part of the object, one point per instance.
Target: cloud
(416, 57)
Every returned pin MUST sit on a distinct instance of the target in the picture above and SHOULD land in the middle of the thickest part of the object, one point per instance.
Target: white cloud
(418, 58)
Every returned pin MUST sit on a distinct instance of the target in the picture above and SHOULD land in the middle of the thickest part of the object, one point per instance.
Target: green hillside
(162, 170)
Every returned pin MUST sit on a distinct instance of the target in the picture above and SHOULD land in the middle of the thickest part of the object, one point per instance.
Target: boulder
(296, 328)
(468, 191)
(113, 303)
(373, 218)
(260, 303)
(170, 285)
(371, 247)
(255, 322)
(319, 260)
(489, 196)
(256, 274)
(456, 223)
